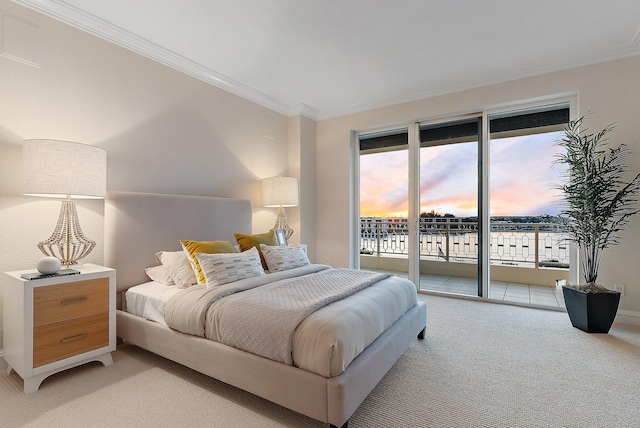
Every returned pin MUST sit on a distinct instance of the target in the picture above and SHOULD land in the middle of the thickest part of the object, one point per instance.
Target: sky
(521, 179)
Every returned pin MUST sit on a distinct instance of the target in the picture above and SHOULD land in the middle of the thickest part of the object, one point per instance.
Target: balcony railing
(454, 240)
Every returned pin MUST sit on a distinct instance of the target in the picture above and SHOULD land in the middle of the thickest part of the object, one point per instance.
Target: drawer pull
(70, 301)
(72, 338)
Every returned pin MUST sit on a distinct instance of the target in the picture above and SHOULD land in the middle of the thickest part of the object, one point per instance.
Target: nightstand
(56, 323)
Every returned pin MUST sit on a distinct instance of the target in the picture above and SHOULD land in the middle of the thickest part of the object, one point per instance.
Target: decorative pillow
(284, 258)
(221, 269)
(160, 274)
(208, 247)
(178, 266)
(247, 242)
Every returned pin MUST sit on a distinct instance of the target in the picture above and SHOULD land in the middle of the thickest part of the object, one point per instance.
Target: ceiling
(329, 58)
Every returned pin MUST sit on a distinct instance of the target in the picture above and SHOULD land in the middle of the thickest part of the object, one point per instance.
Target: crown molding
(624, 50)
(64, 12)
(304, 110)
(632, 49)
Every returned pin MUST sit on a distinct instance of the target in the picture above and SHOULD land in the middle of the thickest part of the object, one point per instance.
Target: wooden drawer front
(64, 302)
(55, 342)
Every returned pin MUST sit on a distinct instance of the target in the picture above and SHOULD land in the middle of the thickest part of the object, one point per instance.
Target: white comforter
(327, 340)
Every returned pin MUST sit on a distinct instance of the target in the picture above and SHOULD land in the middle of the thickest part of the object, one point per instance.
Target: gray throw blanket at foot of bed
(263, 320)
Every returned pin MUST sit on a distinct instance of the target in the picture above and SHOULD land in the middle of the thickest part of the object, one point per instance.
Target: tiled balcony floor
(498, 290)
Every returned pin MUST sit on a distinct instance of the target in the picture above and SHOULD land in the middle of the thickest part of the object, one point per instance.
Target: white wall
(163, 131)
(302, 164)
(611, 91)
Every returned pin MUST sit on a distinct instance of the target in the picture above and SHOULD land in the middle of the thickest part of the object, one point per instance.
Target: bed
(139, 225)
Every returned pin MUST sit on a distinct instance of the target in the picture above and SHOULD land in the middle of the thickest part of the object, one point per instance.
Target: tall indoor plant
(598, 202)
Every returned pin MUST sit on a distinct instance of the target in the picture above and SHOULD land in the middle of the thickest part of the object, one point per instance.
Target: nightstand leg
(105, 359)
(32, 384)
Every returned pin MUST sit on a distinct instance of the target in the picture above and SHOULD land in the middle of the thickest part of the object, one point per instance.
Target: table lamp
(280, 192)
(63, 169)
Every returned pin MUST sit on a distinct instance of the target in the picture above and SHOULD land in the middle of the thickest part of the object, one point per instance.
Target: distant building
(373, 227)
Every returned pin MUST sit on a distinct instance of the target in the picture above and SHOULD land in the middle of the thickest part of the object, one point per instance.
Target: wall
(164, 132)
(302, 147)
(610, 91)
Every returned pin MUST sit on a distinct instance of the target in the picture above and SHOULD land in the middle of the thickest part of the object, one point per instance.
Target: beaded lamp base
(67, 243)
(281, 223)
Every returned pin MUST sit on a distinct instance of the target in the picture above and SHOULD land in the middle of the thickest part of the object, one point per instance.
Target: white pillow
(224, 268)
(284, 258)
(178, 266)
(160, 274)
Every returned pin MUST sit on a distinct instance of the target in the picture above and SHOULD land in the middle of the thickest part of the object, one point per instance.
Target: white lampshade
(61, 169)
(280, 191)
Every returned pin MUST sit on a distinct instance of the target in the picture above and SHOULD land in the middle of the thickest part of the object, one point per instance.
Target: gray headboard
(137, 225)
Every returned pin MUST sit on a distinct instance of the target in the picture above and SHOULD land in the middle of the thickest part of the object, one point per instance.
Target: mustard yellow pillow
(209, 247)
(247, 242)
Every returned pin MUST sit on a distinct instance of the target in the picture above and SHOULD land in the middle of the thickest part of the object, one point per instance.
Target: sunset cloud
(521, 179)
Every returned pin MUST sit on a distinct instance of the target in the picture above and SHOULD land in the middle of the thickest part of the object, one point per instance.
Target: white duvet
(330, 338)
(323, 343)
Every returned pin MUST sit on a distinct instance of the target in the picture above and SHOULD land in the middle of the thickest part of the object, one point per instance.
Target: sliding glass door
(419, 204)
(384, 201)
(449, 232)
(529, 256)
(466, 206)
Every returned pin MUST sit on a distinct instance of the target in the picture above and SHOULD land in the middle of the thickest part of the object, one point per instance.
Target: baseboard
(3, 363)
(627, 317)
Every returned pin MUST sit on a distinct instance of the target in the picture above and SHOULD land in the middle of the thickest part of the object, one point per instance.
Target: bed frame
(137, 225)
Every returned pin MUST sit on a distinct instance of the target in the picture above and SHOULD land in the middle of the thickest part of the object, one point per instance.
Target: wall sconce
(280, 192)
(63, 169)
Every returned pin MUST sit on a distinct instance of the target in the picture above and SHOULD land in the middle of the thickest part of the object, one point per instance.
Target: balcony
(528, 260)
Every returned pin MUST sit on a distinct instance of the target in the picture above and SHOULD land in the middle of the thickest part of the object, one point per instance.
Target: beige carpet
(481, 365)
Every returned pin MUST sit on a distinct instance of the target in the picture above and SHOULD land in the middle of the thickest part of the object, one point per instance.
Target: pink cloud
(521, 179)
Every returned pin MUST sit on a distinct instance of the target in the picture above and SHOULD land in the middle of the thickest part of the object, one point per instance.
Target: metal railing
(454, 240)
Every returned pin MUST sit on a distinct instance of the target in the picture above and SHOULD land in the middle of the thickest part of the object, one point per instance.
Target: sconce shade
(60, 169)
(280, 192)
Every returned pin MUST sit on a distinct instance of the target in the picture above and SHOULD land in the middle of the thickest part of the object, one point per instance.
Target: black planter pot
(591, 312)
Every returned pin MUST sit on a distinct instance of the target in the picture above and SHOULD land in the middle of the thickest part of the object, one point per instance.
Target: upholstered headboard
(137, 225)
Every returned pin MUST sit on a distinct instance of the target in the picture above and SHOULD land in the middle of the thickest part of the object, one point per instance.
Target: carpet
(481, 365)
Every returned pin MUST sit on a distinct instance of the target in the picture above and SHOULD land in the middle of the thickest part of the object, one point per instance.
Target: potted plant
(598, 202)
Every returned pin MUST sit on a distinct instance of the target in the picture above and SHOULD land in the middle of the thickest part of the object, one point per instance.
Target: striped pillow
(210, 247)
(284, 258)
(224, 268)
